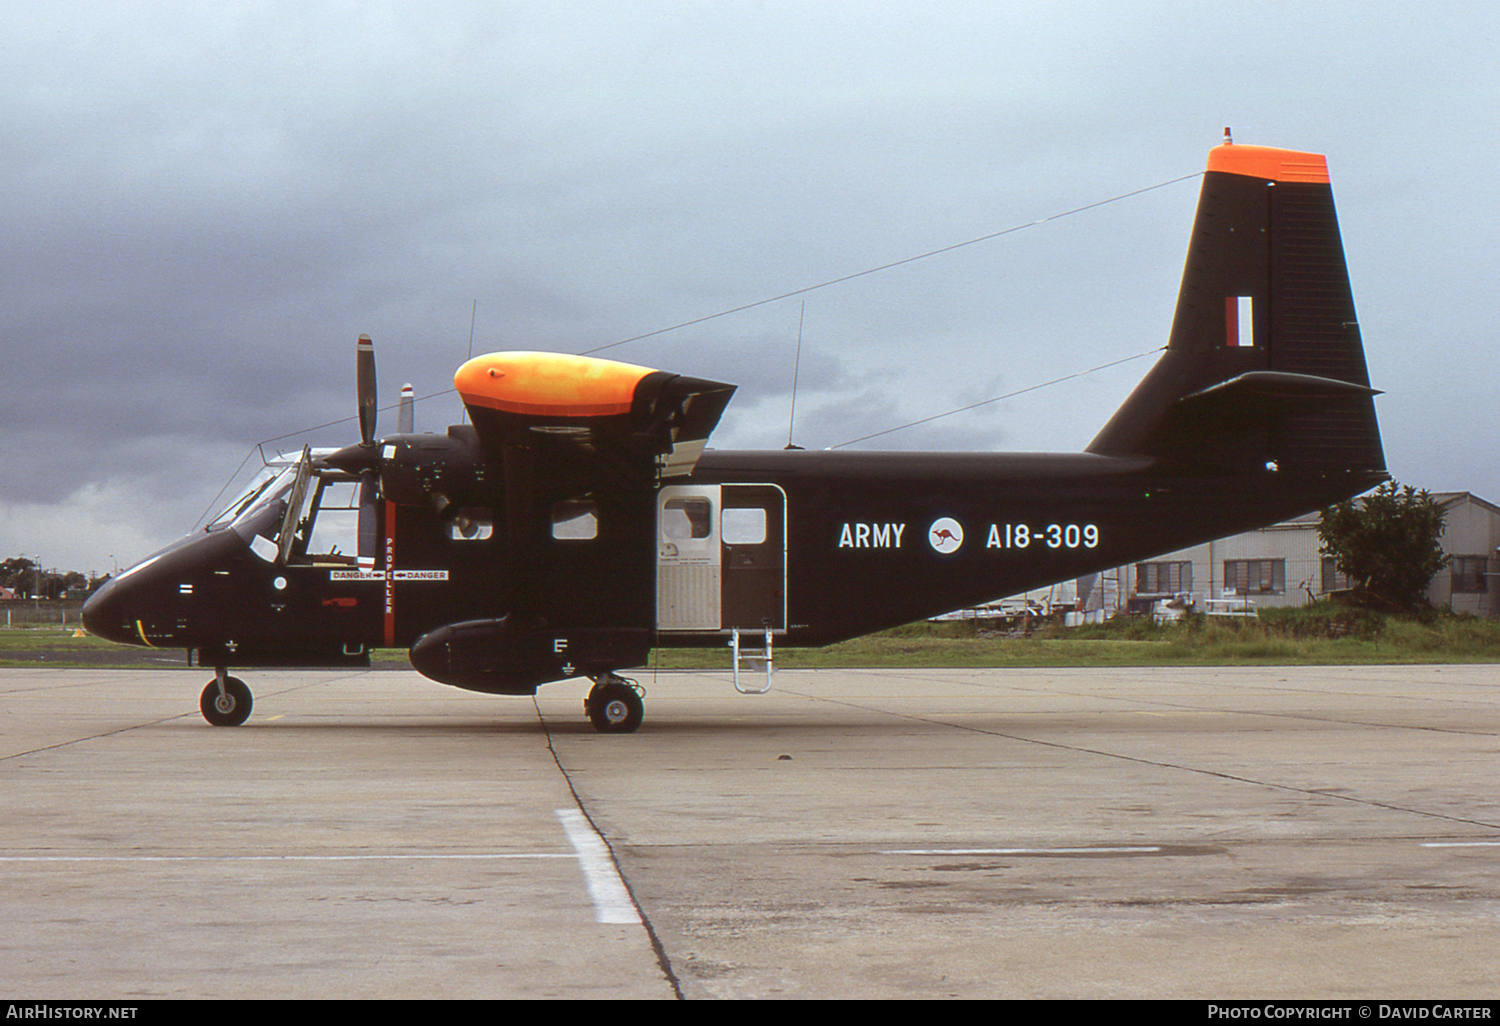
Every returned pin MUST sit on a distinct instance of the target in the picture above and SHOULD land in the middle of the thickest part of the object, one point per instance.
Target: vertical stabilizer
(1265, 369)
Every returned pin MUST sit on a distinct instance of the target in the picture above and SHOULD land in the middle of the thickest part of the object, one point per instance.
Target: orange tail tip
(1268, 163)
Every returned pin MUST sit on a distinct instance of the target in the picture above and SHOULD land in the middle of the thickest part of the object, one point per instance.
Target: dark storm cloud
(206, 204)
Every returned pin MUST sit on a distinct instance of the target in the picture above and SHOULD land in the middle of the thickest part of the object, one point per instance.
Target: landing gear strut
(226, 701)
(615, 705)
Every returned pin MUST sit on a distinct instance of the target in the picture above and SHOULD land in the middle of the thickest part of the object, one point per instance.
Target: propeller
(364, 382)
(364, 367)
(356, 459)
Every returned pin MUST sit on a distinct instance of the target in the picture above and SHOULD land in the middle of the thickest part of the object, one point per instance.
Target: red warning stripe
(390, 574)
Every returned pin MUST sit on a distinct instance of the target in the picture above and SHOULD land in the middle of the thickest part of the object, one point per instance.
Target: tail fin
(1265, 368)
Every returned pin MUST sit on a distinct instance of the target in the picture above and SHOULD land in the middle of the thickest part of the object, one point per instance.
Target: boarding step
(753, 661)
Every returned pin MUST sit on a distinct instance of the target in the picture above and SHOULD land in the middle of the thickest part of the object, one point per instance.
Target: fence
(30, 613)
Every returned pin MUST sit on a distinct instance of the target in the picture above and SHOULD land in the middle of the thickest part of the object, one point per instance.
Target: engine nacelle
(501, 657)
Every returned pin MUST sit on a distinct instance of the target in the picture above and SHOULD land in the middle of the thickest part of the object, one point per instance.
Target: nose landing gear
(226, 701)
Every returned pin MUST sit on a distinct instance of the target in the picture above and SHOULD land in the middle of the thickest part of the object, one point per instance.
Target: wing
(562, 429)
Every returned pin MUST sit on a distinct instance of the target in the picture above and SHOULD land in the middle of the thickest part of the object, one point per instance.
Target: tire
(229, 709)
(615, 708)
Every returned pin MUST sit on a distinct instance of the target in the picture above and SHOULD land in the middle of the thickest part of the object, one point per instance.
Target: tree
(1387, 543)
(21, 575)
(18, 573)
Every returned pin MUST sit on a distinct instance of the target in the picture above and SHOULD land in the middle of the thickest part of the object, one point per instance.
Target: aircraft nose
(104, 615)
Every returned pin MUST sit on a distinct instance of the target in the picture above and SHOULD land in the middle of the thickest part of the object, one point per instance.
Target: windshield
(244, 499)
(268, 485)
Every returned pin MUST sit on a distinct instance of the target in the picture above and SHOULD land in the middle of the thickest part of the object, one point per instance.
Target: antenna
(796, 369)
(473, 313)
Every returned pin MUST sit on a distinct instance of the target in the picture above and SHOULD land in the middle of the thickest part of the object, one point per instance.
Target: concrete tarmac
(1213, 833)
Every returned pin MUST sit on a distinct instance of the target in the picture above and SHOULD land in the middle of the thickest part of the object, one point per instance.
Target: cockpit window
(273, 491)
(334, 530)
(335, 520)
(256, 494)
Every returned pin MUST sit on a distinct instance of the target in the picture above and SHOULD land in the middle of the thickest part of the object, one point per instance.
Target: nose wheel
(615, 705)
(226, 701)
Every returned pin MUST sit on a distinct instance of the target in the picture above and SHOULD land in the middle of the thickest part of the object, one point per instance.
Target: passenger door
(721, 557)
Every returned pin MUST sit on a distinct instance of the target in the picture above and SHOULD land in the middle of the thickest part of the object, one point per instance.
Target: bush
(1388, 543)
(1324, 619)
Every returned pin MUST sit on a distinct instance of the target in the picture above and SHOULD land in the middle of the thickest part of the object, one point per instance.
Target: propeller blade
(404, 418)
(365, 380)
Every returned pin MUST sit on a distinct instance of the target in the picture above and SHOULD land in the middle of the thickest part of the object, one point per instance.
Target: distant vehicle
(1229, 607)
(579, 522)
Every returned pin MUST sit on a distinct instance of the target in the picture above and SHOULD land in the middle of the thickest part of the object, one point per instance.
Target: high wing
(576, 439)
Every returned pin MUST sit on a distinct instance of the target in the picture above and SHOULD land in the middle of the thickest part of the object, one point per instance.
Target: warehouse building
(1280, 566)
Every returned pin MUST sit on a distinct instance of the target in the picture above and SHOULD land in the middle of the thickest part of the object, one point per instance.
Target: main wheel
(615, 706)
(229, 709)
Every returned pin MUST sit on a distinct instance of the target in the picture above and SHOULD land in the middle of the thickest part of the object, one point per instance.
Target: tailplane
(1265, 369)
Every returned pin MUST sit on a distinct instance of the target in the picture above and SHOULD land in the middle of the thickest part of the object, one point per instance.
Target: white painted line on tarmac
(1461, 844)
(612, 902)
(277, 858)
(1021, 851)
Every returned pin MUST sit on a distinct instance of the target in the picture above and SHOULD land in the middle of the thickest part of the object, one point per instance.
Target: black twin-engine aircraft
(579, 521)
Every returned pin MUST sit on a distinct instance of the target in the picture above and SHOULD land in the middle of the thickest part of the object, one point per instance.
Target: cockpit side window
(331, 529)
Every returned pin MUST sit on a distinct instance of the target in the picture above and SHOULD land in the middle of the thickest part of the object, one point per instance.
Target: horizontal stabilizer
(1273, 393)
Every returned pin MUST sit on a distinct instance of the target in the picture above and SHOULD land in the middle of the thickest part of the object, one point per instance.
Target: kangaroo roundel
(945, 535)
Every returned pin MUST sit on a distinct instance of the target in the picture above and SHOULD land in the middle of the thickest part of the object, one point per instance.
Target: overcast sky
(205, 204)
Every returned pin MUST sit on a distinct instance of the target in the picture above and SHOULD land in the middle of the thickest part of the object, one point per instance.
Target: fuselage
(815, 546)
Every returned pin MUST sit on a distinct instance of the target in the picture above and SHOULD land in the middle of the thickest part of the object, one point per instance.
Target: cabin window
(1164, 578)
(685, 518)
(743, 526)
(1469, 574)
(575, 520)
(1255, 576)
(471, 524)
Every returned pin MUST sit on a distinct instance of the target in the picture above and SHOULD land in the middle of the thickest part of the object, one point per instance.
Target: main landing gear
(226, 701)
(615, 705)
